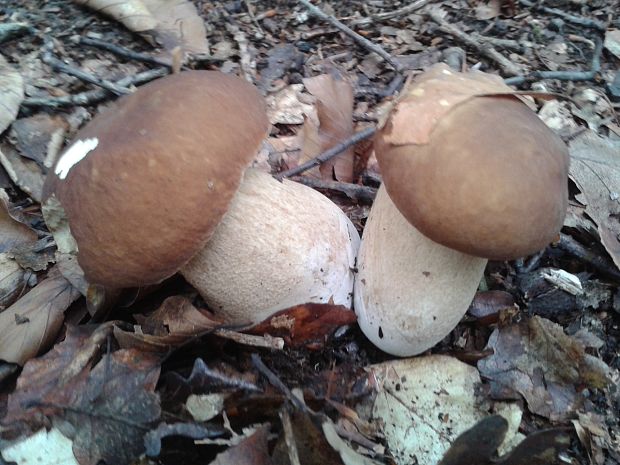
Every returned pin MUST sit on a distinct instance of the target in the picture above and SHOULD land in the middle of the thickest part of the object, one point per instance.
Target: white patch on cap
(74, 155)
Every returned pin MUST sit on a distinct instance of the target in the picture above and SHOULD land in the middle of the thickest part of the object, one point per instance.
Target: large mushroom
(472, 174)
(147, 184)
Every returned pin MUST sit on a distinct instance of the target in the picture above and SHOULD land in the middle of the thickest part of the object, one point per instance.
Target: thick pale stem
(280, 244)
(410, 292)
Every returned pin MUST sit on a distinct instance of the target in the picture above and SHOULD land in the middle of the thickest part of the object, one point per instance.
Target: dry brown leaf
(13, 281)
(12, 233)
(334, 103)
(536, 359)
(11, 93)
(252, 450)
(172, 23)
(27, 174)
(172, 324)
(39, 135)
(306, 325)
(32, 323)
(595, 168)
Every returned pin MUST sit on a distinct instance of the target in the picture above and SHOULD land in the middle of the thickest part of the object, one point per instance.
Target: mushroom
(410, 292)
(472, 167)
(144, 186)
(470, 173)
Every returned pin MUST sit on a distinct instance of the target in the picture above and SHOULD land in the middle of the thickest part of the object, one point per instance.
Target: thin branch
(61, 66)
(94, 96)
(486, 49)
(579, 20)
(353, 191)
(329, 153)
(387, 15)
(277, 383)
(367, 44)
(571, 246)
(564, 75)
(289, 436)
(122, 51)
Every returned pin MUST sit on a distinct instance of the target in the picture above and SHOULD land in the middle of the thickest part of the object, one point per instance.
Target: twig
(564, 75)
(122, 51)
(367, 44)
(386, 15)
(507, 66)
(585, 22)
(498, 42)
(61, 66)
(266, 342)
(277, 383)
(248, 6)
(94, 96)
(353, 191)
(328, 154)
(289, 436)
(571, 246)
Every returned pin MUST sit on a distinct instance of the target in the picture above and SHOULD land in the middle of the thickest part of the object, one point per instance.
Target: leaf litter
(110, 370)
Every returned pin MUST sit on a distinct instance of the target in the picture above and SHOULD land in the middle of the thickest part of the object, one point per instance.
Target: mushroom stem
(280, 244)
(410, 292)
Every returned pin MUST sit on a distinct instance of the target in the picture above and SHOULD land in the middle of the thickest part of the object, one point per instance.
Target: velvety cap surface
(491, 181)
(146, 182)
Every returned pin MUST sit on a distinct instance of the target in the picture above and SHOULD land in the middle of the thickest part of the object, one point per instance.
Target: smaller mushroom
(150, 183)
(472, 174)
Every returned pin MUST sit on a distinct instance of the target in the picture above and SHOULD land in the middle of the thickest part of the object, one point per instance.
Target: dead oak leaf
(595, 168)
(11, 93)
(32, 323)
(176, 321)
(548, 368)
(115, 408)
(171, 23)
(306, 325)
(334, 103)
(110, 402)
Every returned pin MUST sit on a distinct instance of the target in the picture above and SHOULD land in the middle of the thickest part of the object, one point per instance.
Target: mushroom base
(280, 244)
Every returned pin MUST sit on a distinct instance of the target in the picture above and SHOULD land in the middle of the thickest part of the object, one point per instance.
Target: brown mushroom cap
(163, 165)
(491, 181)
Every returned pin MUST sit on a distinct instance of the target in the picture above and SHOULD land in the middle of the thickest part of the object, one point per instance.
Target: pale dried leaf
(612, 42)
(172, 23)
(488, 10)
(11, 93)
(424, 403)
(595, 168)
(179, 25)
(133, 14)
(334, 103)
(32, 323)
(288, 106)
(42, 447)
